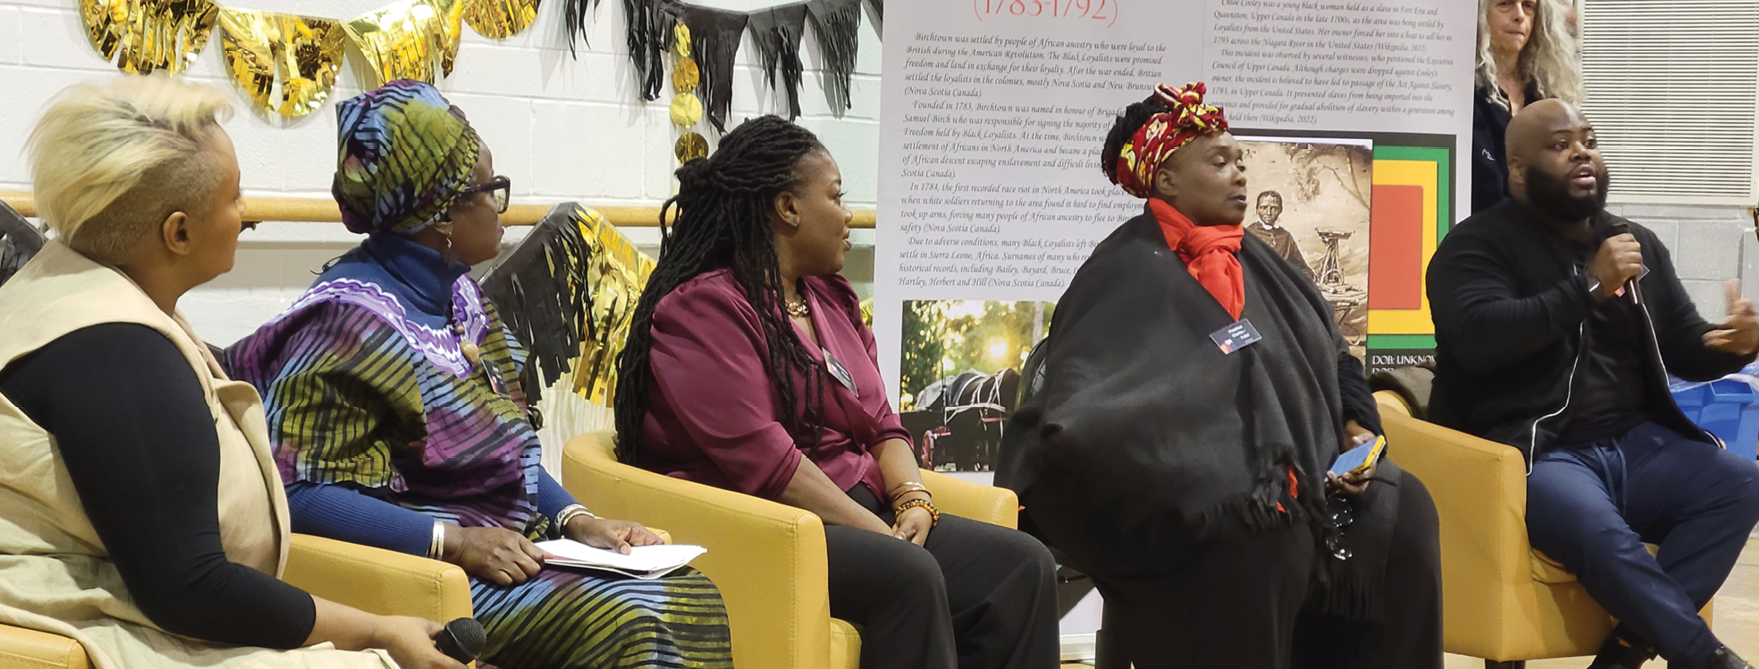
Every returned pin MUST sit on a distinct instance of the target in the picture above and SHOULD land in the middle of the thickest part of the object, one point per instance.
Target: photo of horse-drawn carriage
(961, 376)
(959, 420)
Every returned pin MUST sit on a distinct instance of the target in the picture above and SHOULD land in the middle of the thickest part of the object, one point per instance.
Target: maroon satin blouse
(713, 416)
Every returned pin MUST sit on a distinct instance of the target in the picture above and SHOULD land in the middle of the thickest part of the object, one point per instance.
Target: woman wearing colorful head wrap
(1186, 472)
(393, 396)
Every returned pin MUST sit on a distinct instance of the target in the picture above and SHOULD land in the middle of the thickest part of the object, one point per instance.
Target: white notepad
(643, 562)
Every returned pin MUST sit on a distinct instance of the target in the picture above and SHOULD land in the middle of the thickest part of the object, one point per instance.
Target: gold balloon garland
(412, 39)
(145, 36)
(500, 19)
(408, 39)
(616, 274)
(303, 53)
(686, 107)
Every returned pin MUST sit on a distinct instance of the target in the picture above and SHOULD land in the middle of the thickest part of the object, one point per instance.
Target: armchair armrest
(996, 506)
(1480, 492)
(767, 559)
(1390, 402)
(31, 649)
(376, 580)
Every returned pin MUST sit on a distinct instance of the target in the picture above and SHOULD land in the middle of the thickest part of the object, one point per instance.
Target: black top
(1490, 167)
(1510, 301)
(147, 473)
(1609, 397)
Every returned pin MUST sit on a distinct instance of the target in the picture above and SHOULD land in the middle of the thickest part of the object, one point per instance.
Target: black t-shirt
(1608, 397)
(138, 440)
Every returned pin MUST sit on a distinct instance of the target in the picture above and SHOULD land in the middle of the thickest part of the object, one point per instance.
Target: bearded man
(1556, 327)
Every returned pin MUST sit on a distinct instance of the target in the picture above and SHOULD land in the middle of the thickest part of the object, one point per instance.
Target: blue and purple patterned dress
(368, 390)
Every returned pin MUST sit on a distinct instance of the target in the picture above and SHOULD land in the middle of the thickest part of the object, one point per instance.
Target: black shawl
(1159, 442)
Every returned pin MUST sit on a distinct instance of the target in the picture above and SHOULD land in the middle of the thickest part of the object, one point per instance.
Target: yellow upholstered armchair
(1501, 600)
(370, 579)
(768, 559)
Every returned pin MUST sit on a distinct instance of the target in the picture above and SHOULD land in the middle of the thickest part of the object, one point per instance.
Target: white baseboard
(1077, 647)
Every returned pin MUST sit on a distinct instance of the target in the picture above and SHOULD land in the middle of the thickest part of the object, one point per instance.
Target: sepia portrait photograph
(1310, 201)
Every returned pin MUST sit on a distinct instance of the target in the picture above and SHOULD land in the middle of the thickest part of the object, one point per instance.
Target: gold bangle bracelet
(906, 488)
(569, 513)
(437, 542)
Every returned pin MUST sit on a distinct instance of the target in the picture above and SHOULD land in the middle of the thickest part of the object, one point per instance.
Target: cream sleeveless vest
(55, 575)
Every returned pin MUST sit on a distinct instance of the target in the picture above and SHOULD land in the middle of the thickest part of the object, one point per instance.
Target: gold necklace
(797, 307)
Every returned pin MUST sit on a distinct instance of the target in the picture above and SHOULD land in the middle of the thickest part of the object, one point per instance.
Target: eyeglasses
(499, 189)
(1342, 515)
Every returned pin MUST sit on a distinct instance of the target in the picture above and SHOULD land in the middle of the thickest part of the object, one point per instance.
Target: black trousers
(1238, 601)
(1409, 636)
(1234, 607)
(975, 596)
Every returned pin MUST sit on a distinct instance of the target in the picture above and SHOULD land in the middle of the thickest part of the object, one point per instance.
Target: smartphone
(1360, 457)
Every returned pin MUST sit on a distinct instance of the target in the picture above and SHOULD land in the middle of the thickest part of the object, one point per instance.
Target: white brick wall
(561, 128)
(1709, 245)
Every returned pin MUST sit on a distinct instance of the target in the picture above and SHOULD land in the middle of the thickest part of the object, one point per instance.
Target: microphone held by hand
(1628, 287)
(462, 640)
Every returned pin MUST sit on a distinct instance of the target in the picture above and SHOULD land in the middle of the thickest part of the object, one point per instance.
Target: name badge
(498, 384)
(839, 373)
(1237, 336)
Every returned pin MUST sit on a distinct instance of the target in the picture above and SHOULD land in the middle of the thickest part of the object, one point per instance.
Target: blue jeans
(1592, 507)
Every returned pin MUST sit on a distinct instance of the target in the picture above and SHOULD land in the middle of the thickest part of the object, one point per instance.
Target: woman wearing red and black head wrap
(1194, 393)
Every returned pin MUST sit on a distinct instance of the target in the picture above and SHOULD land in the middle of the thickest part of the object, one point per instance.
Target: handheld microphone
(1630, 287)
(462, 640)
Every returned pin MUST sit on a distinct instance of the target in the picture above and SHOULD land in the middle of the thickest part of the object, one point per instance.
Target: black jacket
(1490, 168)
(1510, 300)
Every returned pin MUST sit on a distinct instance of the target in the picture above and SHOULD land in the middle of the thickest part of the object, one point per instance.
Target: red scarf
(1209, 254)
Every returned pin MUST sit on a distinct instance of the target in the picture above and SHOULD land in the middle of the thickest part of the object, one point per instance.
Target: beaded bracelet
(934, 514)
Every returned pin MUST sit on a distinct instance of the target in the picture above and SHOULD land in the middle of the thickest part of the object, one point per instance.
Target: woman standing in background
(1526, 53)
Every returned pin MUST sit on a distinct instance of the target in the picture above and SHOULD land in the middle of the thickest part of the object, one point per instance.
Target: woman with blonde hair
(143, 515)
(1526, 53)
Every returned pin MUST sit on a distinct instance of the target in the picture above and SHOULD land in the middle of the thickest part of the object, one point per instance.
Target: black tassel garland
(541, 293)
(777, 33)
(838, 23)
(715, 36)
(574, 16)
(876, 12)
(650, 36)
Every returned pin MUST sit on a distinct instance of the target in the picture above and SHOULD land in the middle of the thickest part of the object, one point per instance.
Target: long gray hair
(1548, 62)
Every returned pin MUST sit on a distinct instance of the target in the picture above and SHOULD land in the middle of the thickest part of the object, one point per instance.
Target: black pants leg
(1234, 607)
(1410, 634)
(975, 596)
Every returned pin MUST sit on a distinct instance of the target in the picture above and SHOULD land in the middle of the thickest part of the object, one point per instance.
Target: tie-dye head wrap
(405, 154)
(1187, 119)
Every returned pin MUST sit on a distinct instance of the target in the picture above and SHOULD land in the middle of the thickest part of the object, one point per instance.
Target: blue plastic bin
(1729, 409)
